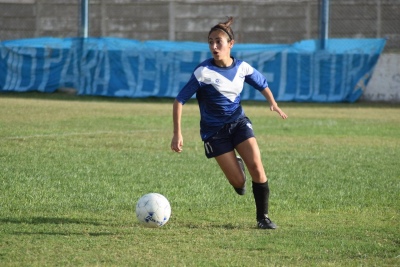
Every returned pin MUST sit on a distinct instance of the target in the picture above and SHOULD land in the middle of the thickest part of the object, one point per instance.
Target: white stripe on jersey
(228, 88)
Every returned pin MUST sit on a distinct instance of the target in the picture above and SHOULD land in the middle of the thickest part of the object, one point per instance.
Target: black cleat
(241, 191)
(241, 164)
(266, 223)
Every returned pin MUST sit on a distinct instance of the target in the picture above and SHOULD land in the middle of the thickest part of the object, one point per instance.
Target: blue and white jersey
(218, 92)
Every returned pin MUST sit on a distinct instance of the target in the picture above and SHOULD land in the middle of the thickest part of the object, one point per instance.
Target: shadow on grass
(83, 98)
(228, 226)
(48, 220)
(65, 96)
(64, 233)
(57, 221)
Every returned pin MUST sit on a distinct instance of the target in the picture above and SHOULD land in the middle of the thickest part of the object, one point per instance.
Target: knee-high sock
(261, 196)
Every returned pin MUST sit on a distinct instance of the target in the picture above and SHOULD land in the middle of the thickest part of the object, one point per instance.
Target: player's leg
(233, 171)
(221, 147)
(250, 153)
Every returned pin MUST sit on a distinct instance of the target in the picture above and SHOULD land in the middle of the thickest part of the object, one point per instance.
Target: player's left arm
(259, 82)
(271, 100)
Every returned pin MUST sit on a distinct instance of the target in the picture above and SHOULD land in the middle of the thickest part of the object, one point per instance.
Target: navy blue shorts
(226, 139)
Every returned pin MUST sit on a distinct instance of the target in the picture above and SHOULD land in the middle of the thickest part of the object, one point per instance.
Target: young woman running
(224, 127)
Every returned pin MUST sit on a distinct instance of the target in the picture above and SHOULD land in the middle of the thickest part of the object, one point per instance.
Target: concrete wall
(257, 21)
(385, 81)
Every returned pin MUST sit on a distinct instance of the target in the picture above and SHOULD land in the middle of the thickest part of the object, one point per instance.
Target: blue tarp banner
(119, 67)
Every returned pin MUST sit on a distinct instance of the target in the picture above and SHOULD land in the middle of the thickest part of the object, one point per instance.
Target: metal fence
(267, 21)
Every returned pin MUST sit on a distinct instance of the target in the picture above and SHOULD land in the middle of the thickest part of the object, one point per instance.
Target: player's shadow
(227, 226)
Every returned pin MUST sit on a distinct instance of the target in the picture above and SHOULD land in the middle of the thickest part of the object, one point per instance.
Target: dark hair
(225, 27)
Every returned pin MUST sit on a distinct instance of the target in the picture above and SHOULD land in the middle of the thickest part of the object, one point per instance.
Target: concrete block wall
(257, 21)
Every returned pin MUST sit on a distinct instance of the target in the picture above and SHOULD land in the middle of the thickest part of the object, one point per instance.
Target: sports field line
(78, 134)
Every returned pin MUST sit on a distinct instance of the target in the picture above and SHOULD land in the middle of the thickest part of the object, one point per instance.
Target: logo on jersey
(249, 125)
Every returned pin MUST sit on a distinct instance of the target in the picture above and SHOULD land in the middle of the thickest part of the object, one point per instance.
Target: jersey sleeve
(256, 79)
(188, 90)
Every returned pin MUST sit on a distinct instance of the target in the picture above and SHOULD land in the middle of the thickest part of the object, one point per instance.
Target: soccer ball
(153, 210)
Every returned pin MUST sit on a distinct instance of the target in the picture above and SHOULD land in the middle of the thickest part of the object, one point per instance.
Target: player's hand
(177, 143)
(279, 111)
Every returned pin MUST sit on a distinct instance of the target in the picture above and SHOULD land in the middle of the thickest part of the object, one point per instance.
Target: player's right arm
(177, 139)
(184, 95)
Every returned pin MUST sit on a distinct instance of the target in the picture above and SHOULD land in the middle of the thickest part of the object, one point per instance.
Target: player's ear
(231, 43)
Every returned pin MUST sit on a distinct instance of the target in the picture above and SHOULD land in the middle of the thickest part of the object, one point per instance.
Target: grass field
(72, 169)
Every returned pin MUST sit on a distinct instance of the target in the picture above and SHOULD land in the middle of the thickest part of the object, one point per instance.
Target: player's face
(219, 46)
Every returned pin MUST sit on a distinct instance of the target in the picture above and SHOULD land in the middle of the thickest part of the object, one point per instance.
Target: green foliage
(72, 169)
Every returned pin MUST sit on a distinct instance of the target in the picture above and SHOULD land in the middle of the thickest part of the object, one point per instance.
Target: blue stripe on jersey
(218, 92)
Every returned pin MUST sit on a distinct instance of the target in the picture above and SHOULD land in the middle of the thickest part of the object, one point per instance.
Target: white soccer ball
(153, 210)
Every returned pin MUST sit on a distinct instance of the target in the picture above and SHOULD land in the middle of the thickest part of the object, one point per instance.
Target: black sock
(261, 196)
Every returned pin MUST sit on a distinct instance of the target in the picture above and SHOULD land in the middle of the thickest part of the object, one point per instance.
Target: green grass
(72, 169)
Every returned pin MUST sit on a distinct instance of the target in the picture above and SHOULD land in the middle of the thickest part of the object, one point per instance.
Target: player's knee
(255, 169)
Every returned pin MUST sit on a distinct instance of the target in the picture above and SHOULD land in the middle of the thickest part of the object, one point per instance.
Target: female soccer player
(224, 127)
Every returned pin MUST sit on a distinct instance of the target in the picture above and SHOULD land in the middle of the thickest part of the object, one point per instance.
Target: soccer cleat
(241, 164)
(241, 191)
(266, 223)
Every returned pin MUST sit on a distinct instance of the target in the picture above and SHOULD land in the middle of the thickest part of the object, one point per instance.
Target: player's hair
(225, 27)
